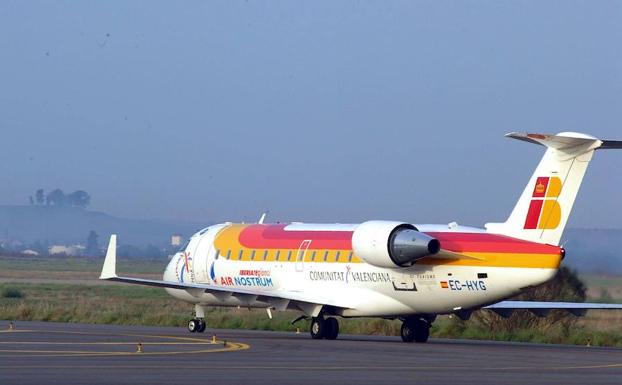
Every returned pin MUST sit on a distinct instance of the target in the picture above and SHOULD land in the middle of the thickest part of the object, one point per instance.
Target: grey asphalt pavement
(55, 353)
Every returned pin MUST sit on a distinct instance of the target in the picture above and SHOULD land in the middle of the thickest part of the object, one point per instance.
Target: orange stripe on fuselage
(254, 242)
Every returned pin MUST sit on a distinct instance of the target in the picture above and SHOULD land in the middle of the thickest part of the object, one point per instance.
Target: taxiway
(39, 352)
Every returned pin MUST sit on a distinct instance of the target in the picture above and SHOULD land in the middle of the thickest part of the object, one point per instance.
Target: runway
(44, 353)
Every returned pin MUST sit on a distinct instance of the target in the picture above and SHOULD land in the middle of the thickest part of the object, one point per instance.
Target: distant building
(72, 250)
(176, 240)
(29, 252)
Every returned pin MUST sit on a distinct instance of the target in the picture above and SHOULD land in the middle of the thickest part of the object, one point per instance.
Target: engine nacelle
(391, 244)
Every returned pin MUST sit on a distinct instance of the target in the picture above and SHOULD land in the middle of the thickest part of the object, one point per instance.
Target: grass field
(67, 290)
(78, 264)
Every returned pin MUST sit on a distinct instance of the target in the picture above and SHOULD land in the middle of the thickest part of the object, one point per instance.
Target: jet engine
(391, 244)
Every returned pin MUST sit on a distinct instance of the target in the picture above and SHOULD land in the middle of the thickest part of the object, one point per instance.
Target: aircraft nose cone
(169, 272)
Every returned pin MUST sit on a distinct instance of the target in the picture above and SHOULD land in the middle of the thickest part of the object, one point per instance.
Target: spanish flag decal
(444, 284)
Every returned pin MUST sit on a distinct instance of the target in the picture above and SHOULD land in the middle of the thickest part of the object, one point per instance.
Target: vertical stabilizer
(542, 211)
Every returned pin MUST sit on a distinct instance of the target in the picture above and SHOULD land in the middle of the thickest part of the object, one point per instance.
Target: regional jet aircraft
(384, 268)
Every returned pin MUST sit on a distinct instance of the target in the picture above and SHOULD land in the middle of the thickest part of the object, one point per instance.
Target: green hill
(67, 225)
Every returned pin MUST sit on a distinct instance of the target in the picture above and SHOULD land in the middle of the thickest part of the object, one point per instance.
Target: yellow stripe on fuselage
(527, 260)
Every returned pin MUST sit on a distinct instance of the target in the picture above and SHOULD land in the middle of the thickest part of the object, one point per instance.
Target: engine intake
(390, 244)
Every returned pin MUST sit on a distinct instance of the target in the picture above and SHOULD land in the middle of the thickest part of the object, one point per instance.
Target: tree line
(57, 197)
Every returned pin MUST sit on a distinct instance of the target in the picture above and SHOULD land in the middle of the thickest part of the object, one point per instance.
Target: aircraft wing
(505, 308)
(279, 298)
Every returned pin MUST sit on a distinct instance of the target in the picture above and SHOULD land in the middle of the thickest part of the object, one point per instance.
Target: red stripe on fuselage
(276, 237)
(490, 243)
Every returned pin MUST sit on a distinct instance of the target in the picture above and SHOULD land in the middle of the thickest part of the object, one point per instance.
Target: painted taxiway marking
(218, 346)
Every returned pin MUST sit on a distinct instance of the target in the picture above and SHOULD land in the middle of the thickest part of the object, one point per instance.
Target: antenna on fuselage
(262, 218)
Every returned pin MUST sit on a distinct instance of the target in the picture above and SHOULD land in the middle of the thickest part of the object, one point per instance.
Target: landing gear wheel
(415, 329)
(318, 326)
(331, 328)
(193, 325)
(408, 331)
(202, 326)
(422, 331)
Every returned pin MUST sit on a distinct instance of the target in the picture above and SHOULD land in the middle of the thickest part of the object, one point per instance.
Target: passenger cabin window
(253, 255)
(265, 255)
(229, 254)
(278, 254)
(217, 254)
(326, 256)
(337, 256)
(350, 257)
(289, 255)
(241, 254)
(313, 256)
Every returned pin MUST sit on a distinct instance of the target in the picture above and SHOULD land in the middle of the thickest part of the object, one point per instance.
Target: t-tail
(541, 213)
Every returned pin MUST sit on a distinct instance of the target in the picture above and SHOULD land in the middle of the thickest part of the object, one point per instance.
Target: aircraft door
(208, 254)
(300, 256)
(189, 258)
(203, 257)
(404, 282)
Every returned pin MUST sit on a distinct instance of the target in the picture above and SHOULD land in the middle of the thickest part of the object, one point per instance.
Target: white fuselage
(370, 291)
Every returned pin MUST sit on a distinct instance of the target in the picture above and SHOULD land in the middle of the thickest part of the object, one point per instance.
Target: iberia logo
(544, 210)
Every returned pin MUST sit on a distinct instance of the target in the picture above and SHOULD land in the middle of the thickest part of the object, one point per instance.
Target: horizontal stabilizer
(505, 308)
(611, 144)
(566, 140)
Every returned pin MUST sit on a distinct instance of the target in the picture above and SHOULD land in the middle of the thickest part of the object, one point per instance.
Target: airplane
(387, 268)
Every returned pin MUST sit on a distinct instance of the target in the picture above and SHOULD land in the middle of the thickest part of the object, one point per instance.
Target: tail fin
(542, 211)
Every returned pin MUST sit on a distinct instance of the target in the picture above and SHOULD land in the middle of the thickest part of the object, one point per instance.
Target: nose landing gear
(196, 325)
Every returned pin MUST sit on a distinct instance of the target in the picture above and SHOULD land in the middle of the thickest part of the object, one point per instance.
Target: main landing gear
(196, 325)
(324, 328)
(415, 329)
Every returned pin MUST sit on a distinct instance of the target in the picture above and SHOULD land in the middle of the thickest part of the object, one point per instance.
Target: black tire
(202, 326)
(193, 325)
(422, 331)
(331, 328)
(318, 328)
(408, 331)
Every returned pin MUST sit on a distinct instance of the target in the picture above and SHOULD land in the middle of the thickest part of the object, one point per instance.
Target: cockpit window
(203, 231)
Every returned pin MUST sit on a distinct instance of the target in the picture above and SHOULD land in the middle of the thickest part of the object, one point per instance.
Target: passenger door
(300, 256)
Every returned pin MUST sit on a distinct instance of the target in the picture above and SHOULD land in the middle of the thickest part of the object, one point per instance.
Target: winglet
(110, 263)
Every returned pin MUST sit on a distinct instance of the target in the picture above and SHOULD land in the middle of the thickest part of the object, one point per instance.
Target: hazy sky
(318, 111)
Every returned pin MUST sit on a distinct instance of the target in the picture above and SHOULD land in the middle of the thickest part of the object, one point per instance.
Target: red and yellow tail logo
(544, 211)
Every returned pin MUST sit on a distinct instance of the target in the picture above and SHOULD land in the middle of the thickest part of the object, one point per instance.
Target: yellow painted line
(231, 346)
(17, 331)
(103, 343)
(193, 339)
